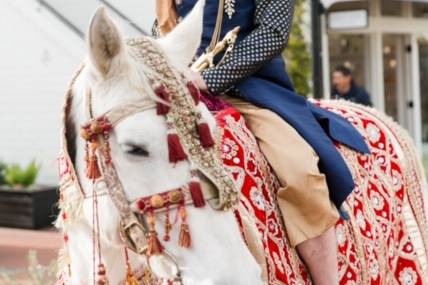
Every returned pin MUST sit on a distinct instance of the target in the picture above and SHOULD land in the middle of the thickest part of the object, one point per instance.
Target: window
(392, 7)
(423, 70)
(353, 5)
(391, 56)
(420, 10)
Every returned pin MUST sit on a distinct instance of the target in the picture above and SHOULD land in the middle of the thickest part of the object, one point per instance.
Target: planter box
(30, 208)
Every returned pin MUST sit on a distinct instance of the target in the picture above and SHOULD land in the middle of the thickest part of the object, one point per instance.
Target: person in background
(344, 87)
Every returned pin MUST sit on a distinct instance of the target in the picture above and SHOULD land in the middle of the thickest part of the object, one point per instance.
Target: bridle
(96, 131)
(188, 139)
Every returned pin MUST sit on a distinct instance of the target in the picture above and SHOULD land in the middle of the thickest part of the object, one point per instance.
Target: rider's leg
(304, 199)
(320, 256)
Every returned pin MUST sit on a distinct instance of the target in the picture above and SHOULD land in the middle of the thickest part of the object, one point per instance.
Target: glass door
(397, 81)
(423, 70)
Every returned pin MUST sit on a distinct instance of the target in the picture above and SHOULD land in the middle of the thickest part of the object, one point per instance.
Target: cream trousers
(303, 197)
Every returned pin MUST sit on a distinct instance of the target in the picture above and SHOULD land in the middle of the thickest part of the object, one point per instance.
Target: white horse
(139, 151)
(219, 255)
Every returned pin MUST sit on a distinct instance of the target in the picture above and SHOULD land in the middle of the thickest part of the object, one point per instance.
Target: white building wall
(79, 12)
(38, 54)
(37, 57)
(141, 12)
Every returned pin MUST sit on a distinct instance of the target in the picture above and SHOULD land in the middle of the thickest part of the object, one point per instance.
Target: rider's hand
(196, 77)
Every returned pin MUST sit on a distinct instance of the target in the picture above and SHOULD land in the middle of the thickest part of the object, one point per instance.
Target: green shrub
(297, 54)
(2, 172)
(15, 175)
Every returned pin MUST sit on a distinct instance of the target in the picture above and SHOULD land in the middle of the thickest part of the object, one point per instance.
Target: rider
(297, 137)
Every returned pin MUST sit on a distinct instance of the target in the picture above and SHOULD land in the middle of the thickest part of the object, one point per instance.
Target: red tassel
(205, 135)
(196, 192)
(185, 239)
(194, 91)
(161, 108)
(175, 149)
(141, 205)
(154, 246)
(101, 275)
(92, 169)
(162, 93)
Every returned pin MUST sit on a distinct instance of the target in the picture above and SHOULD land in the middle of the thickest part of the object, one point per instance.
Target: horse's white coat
(218, 255)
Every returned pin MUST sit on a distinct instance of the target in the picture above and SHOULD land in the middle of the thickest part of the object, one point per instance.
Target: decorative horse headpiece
(189, 138)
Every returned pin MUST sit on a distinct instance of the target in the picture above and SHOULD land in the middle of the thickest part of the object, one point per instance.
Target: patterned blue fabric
(256, 70)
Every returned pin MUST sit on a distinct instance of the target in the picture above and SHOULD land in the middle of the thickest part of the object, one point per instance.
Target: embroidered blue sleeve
(273, 20)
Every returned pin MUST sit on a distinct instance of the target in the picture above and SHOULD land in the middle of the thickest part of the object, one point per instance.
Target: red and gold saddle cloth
(385, 240)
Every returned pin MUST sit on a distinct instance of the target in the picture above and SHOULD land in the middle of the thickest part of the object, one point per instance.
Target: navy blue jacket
(257, 70)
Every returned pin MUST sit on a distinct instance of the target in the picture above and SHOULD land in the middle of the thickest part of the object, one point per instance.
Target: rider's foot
(320, 256)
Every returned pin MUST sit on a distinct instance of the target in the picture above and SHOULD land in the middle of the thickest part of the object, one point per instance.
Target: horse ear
(105, 41)
(180, 45)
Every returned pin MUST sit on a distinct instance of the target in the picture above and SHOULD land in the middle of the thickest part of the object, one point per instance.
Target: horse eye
(135, 150)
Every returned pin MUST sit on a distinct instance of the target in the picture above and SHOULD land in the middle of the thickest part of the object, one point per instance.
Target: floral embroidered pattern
(408, 276)
(377, 201)
(373, 133)
(229, 149)
(257, 198)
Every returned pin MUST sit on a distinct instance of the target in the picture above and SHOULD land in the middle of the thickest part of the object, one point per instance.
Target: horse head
(113, 75)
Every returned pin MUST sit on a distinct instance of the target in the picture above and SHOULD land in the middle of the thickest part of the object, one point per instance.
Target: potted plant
(23, 203)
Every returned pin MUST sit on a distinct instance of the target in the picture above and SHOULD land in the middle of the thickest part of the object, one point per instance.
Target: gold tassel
(130, 277)
(184, 240)
(148, 278)
(154, 246)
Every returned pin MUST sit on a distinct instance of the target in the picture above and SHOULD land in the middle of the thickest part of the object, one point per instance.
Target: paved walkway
(15, 245)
